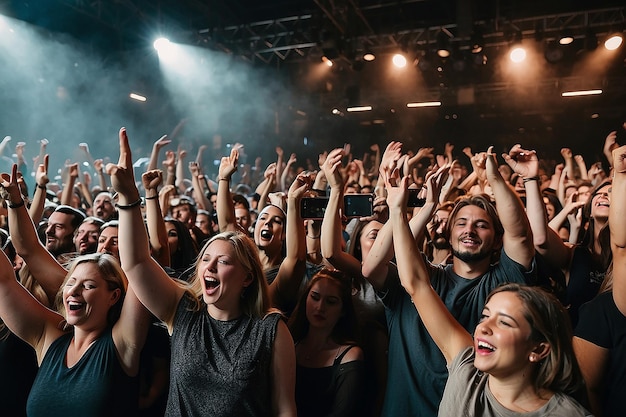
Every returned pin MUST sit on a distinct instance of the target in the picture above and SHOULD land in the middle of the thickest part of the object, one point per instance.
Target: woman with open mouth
(88, 353)
(231, 355)
(521, 359)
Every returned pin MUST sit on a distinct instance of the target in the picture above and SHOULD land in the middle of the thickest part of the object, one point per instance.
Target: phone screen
(358, 205)
(313, 207)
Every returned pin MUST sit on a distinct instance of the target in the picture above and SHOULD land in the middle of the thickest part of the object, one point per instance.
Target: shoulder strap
(339, 358)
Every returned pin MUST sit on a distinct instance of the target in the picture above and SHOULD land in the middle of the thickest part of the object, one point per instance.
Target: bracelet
(16, 205)
(313, 237)
(154, 197)
(528, 179)
(128, 206)
(223, 179)
(43, 187)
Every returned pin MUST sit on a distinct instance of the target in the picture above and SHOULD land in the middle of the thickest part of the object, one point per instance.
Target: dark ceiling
(481, 105)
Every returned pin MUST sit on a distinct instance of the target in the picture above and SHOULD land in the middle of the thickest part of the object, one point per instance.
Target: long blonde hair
(255, 298)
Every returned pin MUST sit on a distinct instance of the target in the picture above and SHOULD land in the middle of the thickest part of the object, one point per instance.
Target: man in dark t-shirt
(478, 239)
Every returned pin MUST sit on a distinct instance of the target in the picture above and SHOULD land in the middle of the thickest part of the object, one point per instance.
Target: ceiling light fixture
(424, 104)
(581, 93)
(358, 109)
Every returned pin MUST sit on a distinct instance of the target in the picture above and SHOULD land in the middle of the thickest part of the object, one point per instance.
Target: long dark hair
(186, 253)
(345, 330)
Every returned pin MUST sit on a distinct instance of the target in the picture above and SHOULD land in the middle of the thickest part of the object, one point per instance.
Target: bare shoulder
(354, 354)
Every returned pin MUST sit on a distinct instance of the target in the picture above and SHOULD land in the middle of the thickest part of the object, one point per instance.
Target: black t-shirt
(601, 323)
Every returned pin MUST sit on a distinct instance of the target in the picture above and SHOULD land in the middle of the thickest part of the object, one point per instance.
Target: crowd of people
(174, 291)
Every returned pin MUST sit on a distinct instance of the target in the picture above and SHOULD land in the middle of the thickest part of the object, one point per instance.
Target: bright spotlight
(399, 60)
(518, 54)
(613, 42)
(161, 44)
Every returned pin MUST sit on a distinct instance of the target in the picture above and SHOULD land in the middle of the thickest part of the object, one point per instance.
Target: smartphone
(414, 200)
(313, 207)
(358, 205)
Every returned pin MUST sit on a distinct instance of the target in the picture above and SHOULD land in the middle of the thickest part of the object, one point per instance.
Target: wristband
(154, 197)
(16, 205)
(43, 187)
(528, 179)
(128, 206)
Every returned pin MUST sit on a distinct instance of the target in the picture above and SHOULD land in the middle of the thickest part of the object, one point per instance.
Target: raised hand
(523, 162)
(122, 175)
(152, 179)
(332, 168)
(619, 159)
(390, 157)
(161, 142)
(228, 164)
(300, 186)
(41, 175)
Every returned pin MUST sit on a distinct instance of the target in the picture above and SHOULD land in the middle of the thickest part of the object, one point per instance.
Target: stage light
(399, 60)
(613, 42)
(369, 56)
(161, 44)
(566, 37)
(327, 61)
(518, 54)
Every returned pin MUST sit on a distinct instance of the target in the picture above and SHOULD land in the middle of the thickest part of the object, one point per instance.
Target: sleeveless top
(336, 390)
(95, 386)
(18, 368)
(220, 368)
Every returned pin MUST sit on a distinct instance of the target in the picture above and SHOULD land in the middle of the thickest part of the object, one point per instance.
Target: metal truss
(294, 37)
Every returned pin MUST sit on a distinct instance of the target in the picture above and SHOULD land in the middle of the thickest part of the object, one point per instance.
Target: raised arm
(618, 227)
(181, 154)
(43, 266)
(447, 333)
(156, 290)
(198, 187)
(23, 314)
(68, 188)
(292, 268)
(225, 206)
(517, 240)
(331, 224)
(156, 149)
(545, 240)
(98, 165)
(39, 199)
(266, 186)
(157, 232)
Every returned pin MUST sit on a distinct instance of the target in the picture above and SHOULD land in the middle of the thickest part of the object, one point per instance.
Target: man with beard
(437, 246)
(486, 252)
